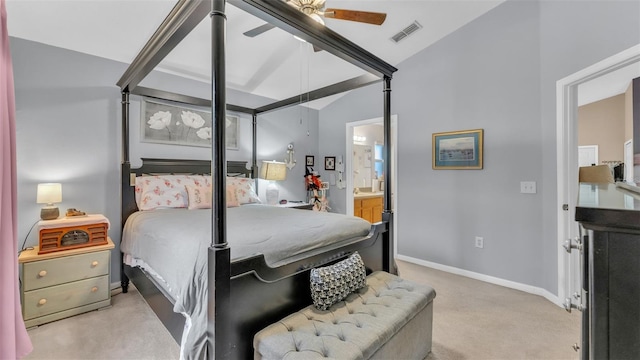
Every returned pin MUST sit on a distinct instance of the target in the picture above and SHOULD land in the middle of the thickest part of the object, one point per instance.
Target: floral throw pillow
(245, 190)
(199, 197)
(166, 191)
(331, 284)
(232, 197)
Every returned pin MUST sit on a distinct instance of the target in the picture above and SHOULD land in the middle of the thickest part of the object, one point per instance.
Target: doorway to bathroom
(364, 169)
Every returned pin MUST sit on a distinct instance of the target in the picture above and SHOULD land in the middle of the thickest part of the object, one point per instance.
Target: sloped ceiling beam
(182, 19)
(334, 89)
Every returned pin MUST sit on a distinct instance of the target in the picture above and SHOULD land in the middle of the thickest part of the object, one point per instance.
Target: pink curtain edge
(14, 341)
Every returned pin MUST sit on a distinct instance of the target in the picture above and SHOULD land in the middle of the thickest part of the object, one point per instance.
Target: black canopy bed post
(254, 153)
(125, 126)
(126, 165)
(219, 263)
(387, 215)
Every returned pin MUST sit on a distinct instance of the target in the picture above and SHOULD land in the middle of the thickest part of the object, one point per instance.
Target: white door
(567, 184)
(587, 155)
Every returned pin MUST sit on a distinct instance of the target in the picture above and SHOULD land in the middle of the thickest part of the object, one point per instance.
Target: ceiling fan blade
(259, 30)
(353, 15)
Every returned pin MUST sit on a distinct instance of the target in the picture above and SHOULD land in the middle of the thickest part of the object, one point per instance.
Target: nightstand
(64, 283)
(296, 205)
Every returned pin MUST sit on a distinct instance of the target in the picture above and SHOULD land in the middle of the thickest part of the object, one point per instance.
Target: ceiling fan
(315, 9)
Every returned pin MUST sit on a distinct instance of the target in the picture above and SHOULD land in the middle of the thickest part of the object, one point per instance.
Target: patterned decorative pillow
(245, 190)
(200, 197)
(232, 196)
(331, 284)
(166, 191)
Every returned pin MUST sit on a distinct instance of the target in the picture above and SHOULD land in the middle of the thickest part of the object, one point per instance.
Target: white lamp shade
(49, 193)
(273, 170)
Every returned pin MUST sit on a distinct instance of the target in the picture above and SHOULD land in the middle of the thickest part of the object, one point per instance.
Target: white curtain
(14, 340)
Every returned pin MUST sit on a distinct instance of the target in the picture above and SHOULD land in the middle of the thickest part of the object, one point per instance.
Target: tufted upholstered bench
(390, 318)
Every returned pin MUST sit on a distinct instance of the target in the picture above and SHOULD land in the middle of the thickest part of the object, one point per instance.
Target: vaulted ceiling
(272, 64)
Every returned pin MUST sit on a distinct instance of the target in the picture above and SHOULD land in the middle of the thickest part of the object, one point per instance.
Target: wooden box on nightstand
(64, 283)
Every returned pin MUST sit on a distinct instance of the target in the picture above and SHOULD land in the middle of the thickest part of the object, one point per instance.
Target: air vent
(413, 27)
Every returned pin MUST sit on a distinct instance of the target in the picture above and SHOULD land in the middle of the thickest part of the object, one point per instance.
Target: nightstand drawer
(44, 273)
(66, 296)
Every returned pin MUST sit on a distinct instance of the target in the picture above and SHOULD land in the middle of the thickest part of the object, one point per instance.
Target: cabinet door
(372, 209)
(357, 208)
(377, 213)
(367, 214)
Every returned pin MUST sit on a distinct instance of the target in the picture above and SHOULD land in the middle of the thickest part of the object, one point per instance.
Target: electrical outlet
(479, 242)
(527, 187)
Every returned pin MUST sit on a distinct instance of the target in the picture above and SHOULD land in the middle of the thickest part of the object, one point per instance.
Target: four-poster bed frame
(260, 294)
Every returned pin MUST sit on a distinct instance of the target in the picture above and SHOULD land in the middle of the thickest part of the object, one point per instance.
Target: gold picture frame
(458, 150)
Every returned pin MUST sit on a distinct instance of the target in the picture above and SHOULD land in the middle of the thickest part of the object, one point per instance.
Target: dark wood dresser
(609, 216)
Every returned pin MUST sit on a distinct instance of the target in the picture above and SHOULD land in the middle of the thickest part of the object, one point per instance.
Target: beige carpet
(478, 320)
(127, 330)
(472, 320)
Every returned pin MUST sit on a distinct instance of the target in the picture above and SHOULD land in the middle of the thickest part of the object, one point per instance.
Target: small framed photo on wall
(310, 160)
(329, 162)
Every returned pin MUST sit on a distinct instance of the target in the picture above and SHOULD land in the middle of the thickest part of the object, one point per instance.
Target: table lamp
(49, 194)
(273, 171)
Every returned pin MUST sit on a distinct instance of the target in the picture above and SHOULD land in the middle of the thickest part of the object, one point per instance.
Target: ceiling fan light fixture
(317, 18)
(316, 10)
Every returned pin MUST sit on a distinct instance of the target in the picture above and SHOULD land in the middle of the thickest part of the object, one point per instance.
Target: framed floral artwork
(165, 122)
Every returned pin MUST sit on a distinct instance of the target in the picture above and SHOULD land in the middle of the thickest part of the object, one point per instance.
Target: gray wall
(68, 123)
(497, 73)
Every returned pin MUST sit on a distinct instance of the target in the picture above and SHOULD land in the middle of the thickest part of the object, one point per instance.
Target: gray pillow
(331, 284)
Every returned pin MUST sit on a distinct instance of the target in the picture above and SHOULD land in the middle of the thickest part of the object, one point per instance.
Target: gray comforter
(172, 244)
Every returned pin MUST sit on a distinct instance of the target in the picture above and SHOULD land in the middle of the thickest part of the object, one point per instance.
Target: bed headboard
(168, 166)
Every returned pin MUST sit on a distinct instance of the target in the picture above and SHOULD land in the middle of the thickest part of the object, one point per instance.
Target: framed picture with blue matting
(457, 150)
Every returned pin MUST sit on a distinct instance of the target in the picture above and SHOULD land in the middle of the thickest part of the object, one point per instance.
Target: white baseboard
(486, 278)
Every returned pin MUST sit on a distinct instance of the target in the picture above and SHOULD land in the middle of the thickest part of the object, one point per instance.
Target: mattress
(172, 245)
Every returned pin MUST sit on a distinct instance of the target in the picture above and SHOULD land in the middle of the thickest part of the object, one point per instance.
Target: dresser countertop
(608, 205)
